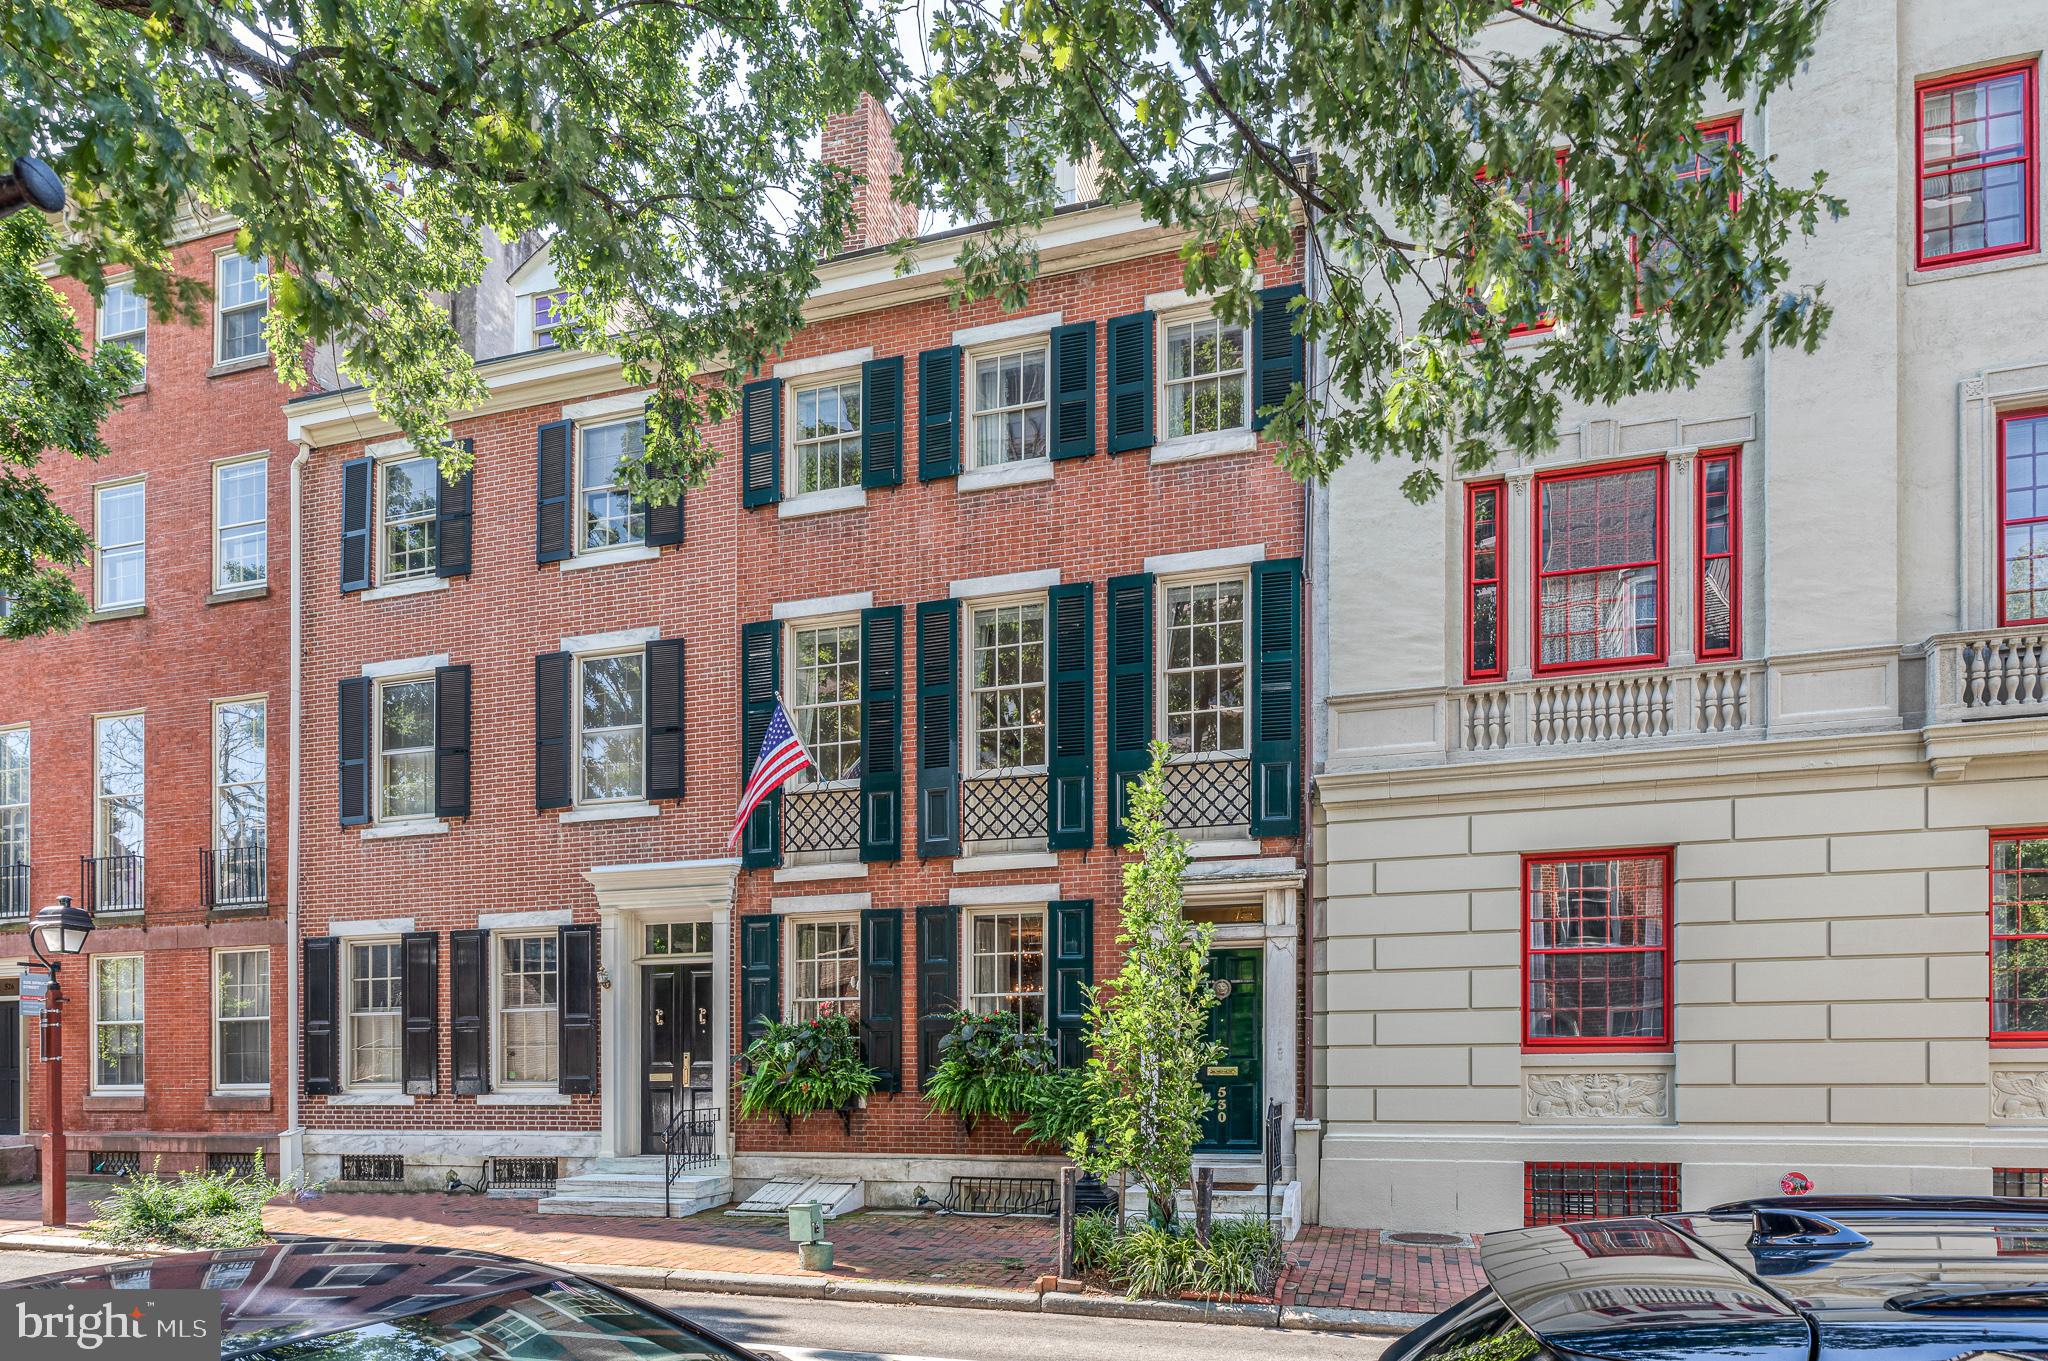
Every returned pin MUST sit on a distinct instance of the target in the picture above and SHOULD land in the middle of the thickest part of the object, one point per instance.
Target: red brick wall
(1099, 517)
(171, 664)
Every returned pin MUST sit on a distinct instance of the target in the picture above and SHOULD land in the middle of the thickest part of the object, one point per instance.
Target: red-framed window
(1978, 166)
(1536, 209)
(2019, 937)
(1599, 547)
(1718, 139)
(1486, 632)
(1718, 531)
(2023, 517)
(1559, 1193)
(1596, 950)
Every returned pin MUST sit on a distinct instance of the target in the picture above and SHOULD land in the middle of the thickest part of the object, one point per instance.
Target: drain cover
(1427, 1240)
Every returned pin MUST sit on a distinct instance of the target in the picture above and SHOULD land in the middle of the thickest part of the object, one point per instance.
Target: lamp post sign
(35, 987)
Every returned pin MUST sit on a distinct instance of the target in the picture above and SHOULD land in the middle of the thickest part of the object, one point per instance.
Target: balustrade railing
(1591, 710)
(2000, 673)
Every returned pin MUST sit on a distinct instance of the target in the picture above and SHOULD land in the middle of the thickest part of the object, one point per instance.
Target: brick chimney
(864, 142)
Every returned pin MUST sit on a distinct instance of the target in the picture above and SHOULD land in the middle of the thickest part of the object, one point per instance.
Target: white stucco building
(1674, 786)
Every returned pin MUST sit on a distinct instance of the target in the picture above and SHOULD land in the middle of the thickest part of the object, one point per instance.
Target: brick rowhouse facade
(554, 919)
(196, 655)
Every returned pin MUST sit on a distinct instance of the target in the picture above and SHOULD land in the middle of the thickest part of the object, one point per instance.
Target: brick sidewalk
(1343, 1268)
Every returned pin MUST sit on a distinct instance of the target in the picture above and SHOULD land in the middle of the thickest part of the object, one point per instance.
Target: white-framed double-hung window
(408, 512)
(1205, 379)
(1204, 676)
(124, 320)
(611, 723)
(824, 969)
(117, 1023)
(240, 800)
(241, 529)
(241, 301)
(405, 748)
(825, 435)
(117, 813)
(824, 660)
(375, 1018)
(1006, 963)
(1006, 683)
(528, 999)
(14, 784)
(241, 1019)
(607, 515)
(1007, 389)
(118, 558)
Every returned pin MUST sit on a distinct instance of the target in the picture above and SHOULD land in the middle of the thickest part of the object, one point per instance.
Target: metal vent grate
(1558, 1193)
(107, 1162)
(240, 1164)
(521, 1174)
(385, 1168)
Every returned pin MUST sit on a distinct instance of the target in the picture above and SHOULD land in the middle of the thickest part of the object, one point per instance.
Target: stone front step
(632, 1188)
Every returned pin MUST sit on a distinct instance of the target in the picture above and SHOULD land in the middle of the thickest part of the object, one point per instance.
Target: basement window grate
(374, 1168)
(2028, 1183)
(522, 1174)
(107, 1162)
(239, 1164)
(1558, 1193)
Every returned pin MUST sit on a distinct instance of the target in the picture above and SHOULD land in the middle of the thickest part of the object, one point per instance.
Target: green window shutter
(576, 1014)
(453, 516)
(938, 728)
(938, 982)
(1129, 644)
(1070, 764)
(761, 442)
(881, 994)
(760, 673)
(881, 422)
(881, 733)
(356, 503)
(555, 471)
(1278, 354)
(1073, 973)
(1073, 395)
(1276, 698)
(760, 975)
(1130, 382)
(552, 754)
(319, 1041)
(353, 709)
(662, 666)
(938, 413)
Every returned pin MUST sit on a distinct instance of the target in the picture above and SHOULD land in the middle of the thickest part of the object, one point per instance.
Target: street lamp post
(57, 931)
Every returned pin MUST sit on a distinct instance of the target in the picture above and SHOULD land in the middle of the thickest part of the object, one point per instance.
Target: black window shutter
(356, 502)
(1073, 973)
(1129, 645)
(354, 711)
(761, 442)
(664, 523)
(760, 975)
(320, 1043)
(453, 517)
(881, 422)
(451, 742)
(938, 728)
(469, 1011)
(938, 413)
(760, 673)
(1130, 382)
(881, 994)
(551, 762)
(576, 1014)
(1276, 698)
(1277, 352)
(1070, 765)
(551, 517)
(664, 679)
(938, 982)
(422, 1008)
(1073, 393)
(881, 733)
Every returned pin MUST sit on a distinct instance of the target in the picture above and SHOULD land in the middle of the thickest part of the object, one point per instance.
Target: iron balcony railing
(14, 891)
(1209, 794)
(234, 876)
(820, 820)
(1003, 812)
(111, 883)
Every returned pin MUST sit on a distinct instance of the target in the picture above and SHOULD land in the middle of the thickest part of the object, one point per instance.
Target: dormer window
(547, 314)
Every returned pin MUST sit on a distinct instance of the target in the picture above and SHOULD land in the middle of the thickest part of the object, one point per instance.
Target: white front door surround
(1275, 885)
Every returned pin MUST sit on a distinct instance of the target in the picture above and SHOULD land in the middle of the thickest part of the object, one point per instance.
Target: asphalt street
(823, 1330)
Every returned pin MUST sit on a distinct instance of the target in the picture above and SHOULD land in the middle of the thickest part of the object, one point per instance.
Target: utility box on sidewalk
(806, 1222)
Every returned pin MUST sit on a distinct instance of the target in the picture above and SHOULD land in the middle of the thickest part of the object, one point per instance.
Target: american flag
(782, 755)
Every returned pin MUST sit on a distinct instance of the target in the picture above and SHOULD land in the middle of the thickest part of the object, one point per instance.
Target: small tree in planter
(989, 1067)
(795, 1069)
(1148, 1029)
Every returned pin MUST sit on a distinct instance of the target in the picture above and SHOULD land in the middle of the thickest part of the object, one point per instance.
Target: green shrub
(1094, 1238)
(190, 1210)
(1153, 1260)
(1060, 1108)
(796, 1069)
(988, 1067)
(1242, 1257)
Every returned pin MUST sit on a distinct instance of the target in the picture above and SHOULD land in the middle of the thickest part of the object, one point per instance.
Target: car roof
(289, 1291)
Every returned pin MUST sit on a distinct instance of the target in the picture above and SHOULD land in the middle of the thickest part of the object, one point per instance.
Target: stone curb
(930, 1295)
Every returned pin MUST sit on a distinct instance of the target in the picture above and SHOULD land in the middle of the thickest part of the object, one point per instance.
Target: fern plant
(1059, 1109)
(794, 1069)
(988, 1067)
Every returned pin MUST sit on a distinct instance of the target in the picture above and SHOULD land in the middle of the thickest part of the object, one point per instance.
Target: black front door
(675, 1045)
(1232, 1083)
(10, 1067)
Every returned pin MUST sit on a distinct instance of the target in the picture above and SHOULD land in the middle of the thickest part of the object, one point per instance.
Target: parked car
(341, 1300)
(1906, 1278)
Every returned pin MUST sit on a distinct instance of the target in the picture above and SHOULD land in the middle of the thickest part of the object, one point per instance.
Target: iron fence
(1209, 794)
(1003, 808)
(14, 901)
(820, 820)
(235, 876)
(373, 1168)
(691, 1140)
(111, 883)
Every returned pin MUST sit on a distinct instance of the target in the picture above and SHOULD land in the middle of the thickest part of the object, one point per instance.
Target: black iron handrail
(14, 900)
(691, 1140)
(234, 876)
(111, 883)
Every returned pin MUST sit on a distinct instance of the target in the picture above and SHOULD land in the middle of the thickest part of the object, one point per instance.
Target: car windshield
(554, 1321)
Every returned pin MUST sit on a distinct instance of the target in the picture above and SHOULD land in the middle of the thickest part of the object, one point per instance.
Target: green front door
(1236, 1094)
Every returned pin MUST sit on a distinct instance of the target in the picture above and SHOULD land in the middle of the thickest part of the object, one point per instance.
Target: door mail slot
(1223, 1070)
(661, 1077)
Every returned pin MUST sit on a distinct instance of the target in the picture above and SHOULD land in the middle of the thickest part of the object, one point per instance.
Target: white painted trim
(1007, 860)
(393, 831)
(1175, 299)
(517, 1097)
(410, 586)
(1216, 444)
(1010, 583)
(370, 1099)
(810, 903)
(404, 666)
(618, 640)
(824, 363)
(824, 869)
(1002, 895)
(375, 926)
(1005, 475)
(1170, 564)
(388, 448)
(821, 605)
(618, 404)
(523, 921)
(639, 552)
(1222, 848)
(611, 812)
(822, 502)
(1015, 328)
